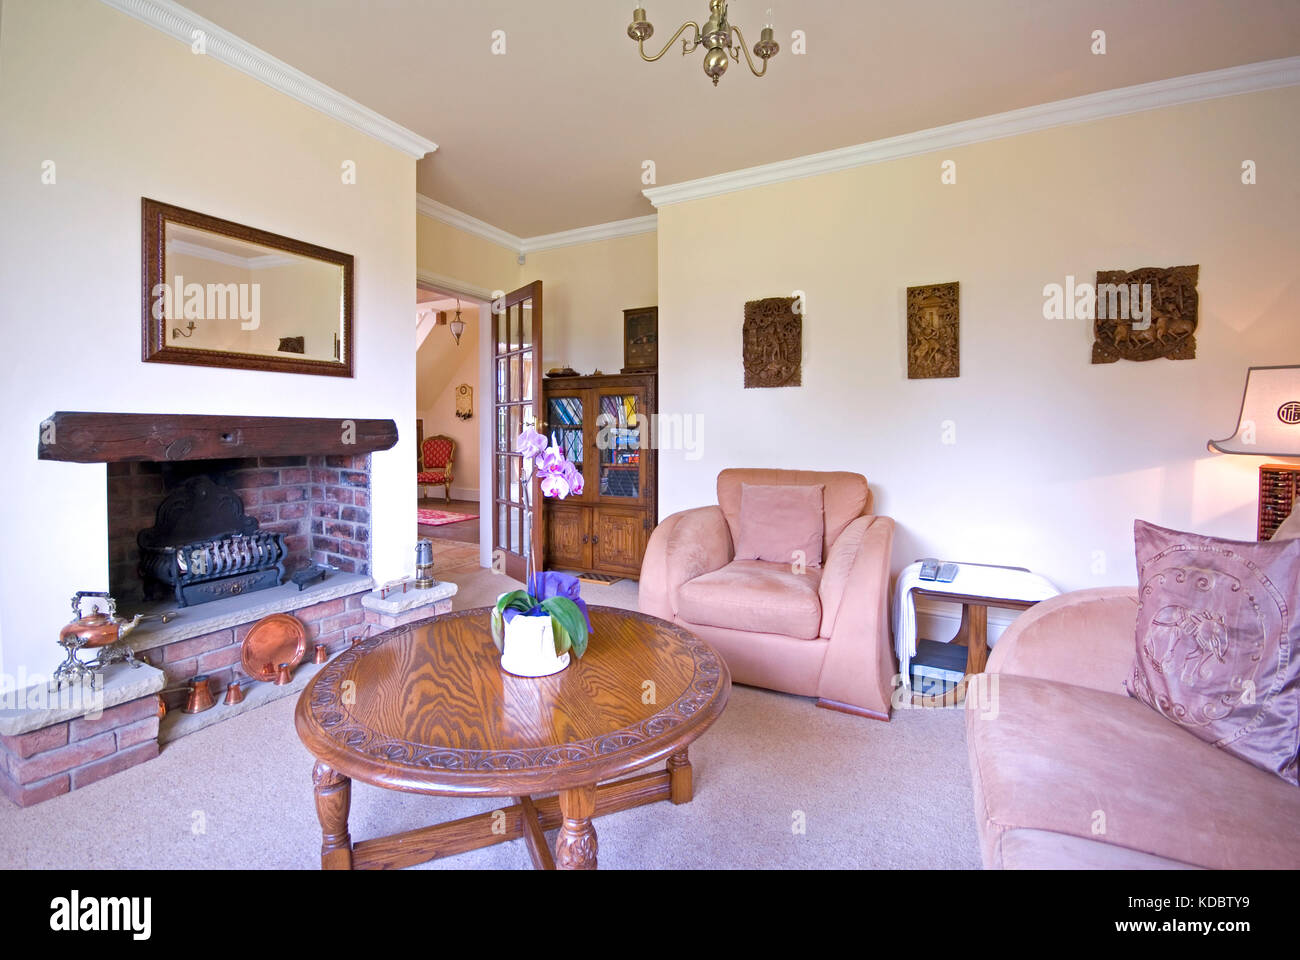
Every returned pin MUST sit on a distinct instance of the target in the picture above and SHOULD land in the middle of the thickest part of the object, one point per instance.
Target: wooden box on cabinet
(641, 340)
(603, 425)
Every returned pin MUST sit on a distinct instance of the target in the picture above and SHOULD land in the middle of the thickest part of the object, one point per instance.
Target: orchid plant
(548, 594)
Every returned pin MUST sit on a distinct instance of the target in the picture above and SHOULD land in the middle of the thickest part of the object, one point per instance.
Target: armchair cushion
(755, 595)
(846, 496)
(431, 478)
(781, 524)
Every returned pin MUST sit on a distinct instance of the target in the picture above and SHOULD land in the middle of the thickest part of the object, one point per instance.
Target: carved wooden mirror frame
(155, 349)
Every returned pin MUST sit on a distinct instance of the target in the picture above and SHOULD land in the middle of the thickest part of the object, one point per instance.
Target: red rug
(437, 518)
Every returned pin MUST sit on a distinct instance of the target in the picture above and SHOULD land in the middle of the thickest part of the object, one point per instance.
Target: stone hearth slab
(204, 618)
(400, 601)
(121, 683)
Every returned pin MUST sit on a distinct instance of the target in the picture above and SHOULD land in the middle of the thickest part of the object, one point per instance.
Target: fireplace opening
(192, 531)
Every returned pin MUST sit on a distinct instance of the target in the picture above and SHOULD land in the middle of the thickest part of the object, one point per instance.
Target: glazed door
(517, 361)
(618, 450)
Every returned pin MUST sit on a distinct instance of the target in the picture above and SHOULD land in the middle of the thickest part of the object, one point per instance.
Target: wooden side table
(973, 634)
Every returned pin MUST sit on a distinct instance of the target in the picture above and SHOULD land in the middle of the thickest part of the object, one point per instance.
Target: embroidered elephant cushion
(1218, 641)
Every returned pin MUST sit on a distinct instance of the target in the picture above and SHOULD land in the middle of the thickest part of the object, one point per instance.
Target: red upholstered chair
(436, 461)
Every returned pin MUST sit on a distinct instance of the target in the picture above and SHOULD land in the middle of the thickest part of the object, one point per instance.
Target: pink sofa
(823, 633)
(1071, 772)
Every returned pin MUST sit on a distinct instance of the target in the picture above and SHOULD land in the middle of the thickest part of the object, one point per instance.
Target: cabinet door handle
(584, 538)
(595, 539)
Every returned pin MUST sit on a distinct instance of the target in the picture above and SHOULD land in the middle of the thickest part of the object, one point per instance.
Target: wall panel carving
(933, 331)
(773, 343)
(1144, 314)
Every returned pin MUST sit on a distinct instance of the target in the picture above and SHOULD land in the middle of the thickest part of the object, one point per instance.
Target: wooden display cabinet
(603, 424)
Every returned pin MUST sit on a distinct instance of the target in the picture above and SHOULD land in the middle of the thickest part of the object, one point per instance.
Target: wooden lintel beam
(116, 437)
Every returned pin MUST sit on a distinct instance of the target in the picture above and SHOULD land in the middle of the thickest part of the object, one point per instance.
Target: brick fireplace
(321, 504)
(305, 479)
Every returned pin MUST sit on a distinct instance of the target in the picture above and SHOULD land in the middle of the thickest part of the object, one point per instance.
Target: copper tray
(279, 638)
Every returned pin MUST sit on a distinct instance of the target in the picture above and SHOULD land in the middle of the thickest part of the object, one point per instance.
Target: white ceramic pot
(530, 648)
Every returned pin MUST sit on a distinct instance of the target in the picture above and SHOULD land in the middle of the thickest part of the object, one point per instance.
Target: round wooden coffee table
(426, 708)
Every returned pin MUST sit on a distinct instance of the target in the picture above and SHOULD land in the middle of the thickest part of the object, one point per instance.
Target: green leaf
(498, 630)
(517, 599)
(566, 613)
(561, 637)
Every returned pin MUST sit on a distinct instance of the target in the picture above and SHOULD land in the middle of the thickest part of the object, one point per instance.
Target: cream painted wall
(585, 287)
(446, 252)
(585, 290)
(79, 86)
(1054, 457)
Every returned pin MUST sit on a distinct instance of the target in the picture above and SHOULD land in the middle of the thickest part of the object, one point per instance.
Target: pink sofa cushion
(1103, 767)
(845, 498)
(754, 595)
(1218, 642)
(781, 524)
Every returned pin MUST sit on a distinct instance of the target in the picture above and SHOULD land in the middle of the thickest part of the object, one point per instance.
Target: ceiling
(552, 135)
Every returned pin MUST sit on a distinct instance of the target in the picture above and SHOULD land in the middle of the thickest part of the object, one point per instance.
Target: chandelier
(716, 36)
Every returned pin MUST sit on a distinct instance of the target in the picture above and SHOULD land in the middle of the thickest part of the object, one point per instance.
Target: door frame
(486, 394)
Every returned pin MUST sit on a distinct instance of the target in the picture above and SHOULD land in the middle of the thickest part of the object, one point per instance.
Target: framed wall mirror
(220, 294)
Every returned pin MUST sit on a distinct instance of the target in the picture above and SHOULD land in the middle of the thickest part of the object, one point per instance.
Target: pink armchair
(823, 633)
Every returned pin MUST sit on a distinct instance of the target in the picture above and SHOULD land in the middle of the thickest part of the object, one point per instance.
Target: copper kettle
(97, 629)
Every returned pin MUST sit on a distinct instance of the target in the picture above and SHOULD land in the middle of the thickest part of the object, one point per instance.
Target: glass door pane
(517, 332)
(618, 440)
(564, 425)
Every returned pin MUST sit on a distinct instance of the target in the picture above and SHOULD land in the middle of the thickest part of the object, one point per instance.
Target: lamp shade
(1269, 422)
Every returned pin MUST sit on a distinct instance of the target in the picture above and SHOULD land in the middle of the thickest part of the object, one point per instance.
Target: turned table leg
(333, 798)
(680, 785)
(575, 846)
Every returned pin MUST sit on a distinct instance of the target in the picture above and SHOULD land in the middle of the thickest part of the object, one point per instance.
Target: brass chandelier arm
(687, 46)
(743, 47)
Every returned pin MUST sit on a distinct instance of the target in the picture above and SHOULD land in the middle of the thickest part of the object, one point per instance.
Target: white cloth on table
(973, 579)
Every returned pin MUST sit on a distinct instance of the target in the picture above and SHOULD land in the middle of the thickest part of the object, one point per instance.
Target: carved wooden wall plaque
(933, 328)
(1145, 314)
(773, 343)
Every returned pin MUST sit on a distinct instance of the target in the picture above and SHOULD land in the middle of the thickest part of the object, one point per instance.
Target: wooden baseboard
(849, 708)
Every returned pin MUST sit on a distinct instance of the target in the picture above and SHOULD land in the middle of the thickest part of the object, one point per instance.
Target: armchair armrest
(684, 546)
(1085, 637)
(858, 672)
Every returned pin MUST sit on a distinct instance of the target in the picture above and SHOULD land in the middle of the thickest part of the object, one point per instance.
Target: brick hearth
(75, 753)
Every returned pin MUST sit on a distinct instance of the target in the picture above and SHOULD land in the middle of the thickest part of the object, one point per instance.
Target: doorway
(450, 501)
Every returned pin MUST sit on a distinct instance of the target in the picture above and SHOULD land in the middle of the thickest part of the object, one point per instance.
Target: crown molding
(1249, 78)
(451, 285)
(463, 221)
(601, 231)
(526, 245)
(222, 45)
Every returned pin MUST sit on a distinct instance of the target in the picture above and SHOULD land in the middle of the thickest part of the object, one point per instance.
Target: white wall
(124, 112)
(1055, 456)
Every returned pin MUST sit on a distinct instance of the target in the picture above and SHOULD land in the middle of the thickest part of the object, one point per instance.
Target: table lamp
(1268, 425)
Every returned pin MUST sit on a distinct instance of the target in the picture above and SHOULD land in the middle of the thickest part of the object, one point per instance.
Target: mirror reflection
(231, 295)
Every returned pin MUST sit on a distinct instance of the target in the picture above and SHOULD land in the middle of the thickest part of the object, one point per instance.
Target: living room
(877, 269)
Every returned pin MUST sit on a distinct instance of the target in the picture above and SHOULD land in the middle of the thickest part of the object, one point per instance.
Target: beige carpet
(238, 794)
